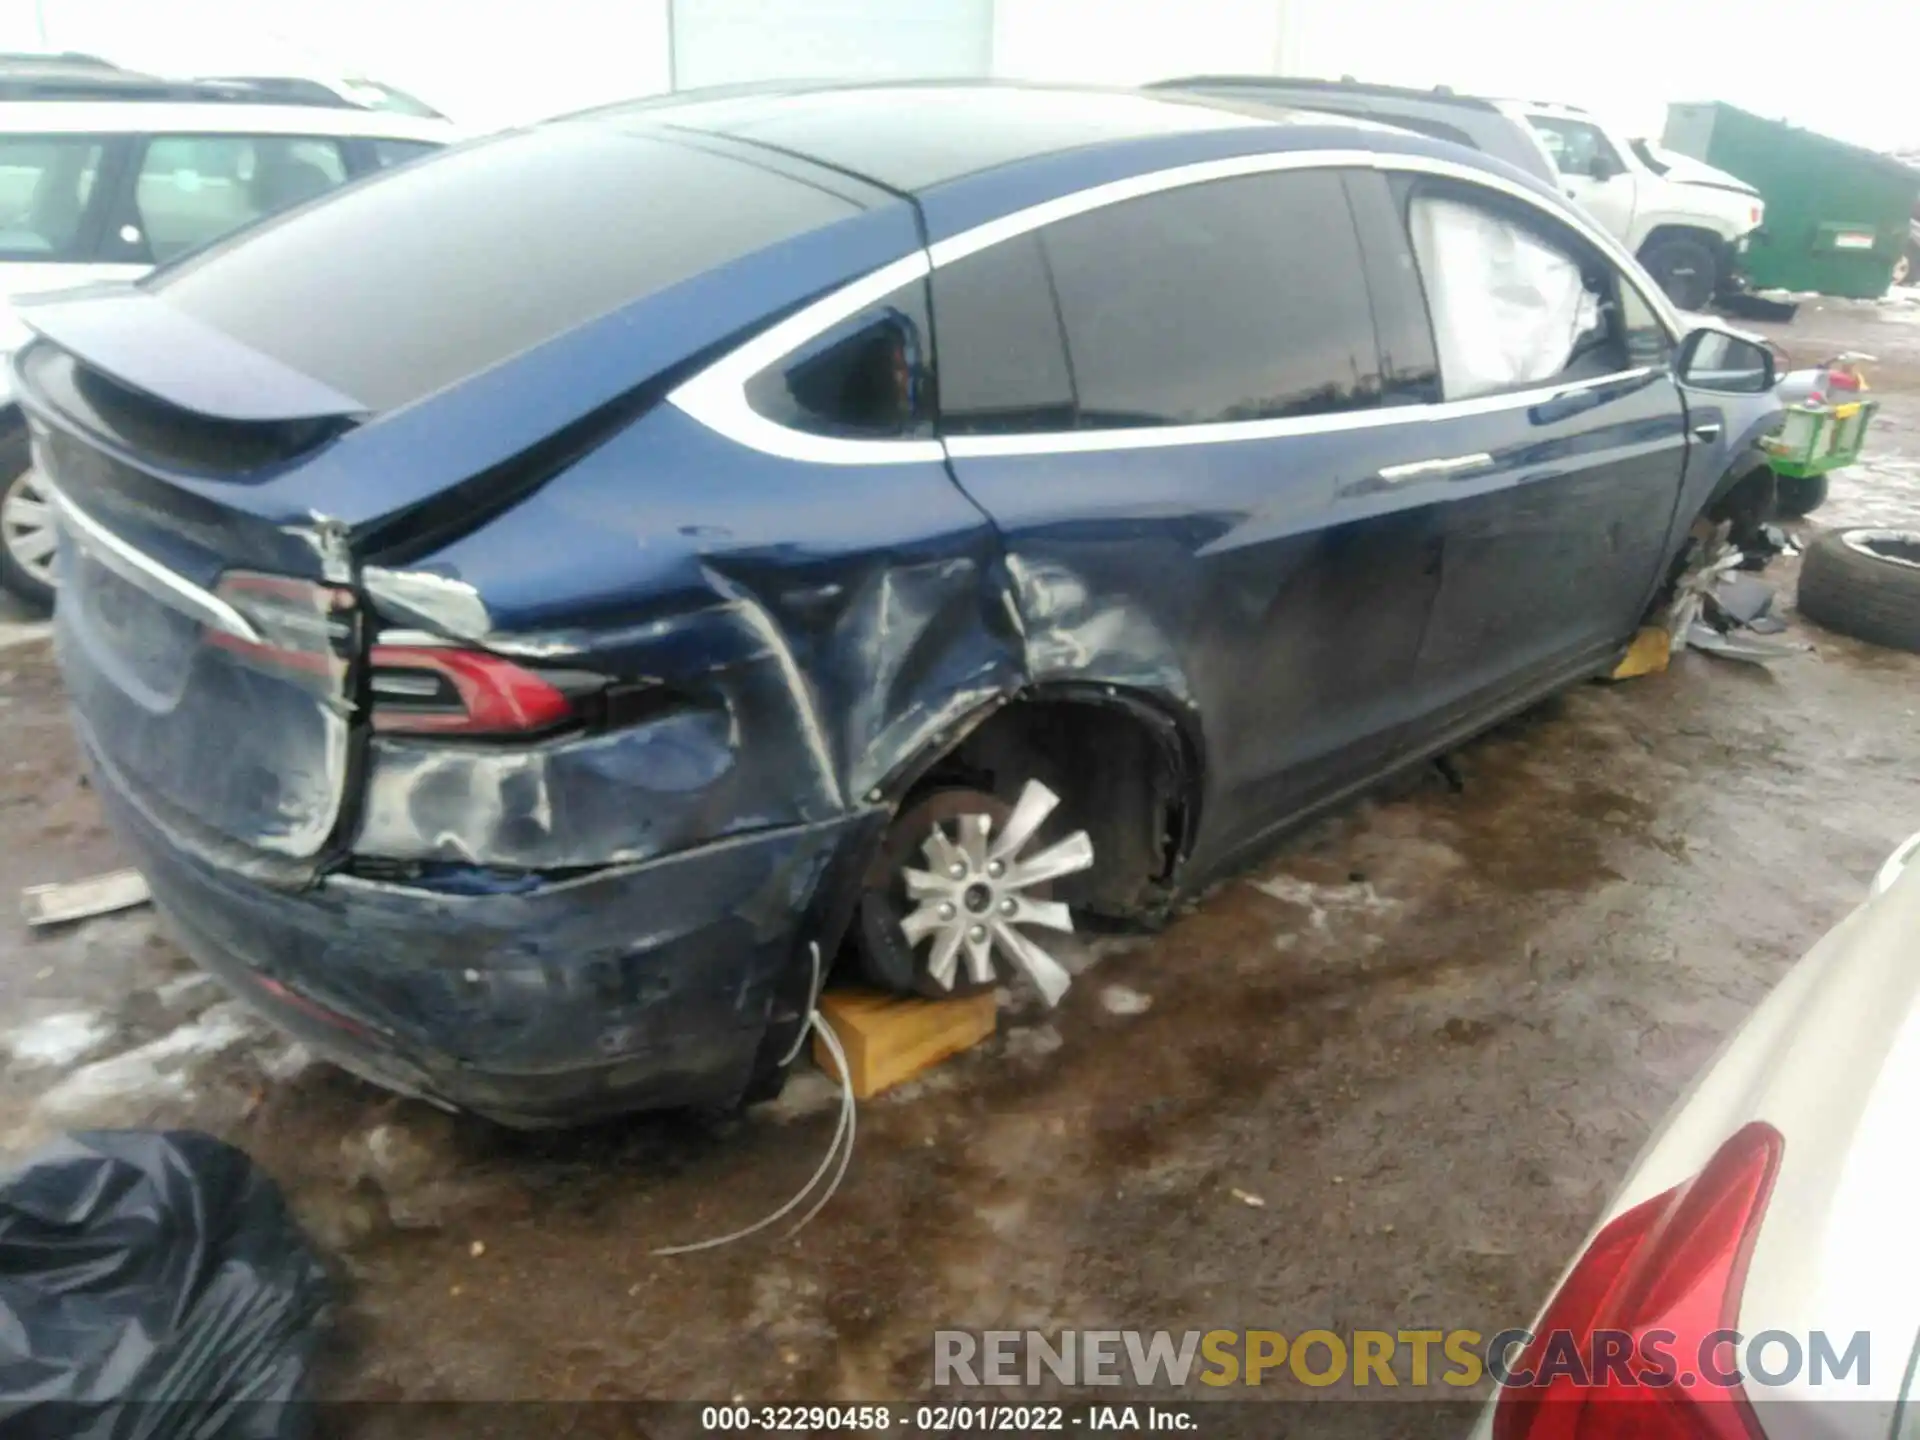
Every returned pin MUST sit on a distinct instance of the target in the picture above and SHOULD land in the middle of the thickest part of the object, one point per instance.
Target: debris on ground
(1715, 603)
(1739, 600)
(43, 905)
(1246, 1198)
(155, 1285)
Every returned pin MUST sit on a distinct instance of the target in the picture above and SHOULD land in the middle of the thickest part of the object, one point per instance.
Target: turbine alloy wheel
(975, 894)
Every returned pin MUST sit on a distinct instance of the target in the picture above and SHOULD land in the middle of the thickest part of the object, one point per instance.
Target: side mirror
(1602, 168)
(1731, 364)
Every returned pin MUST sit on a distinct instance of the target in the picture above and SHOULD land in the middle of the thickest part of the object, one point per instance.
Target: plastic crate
(1813, 439)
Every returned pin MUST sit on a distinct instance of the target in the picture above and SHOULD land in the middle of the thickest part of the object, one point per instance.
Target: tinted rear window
(1236, 300)
(1003, 359)
(438, 270)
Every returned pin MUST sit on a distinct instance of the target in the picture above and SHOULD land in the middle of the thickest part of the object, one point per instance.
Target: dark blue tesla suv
(529, 611)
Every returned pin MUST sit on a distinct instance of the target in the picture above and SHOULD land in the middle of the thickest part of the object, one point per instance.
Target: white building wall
(717, 42)
(491, 62)
(1128, 42)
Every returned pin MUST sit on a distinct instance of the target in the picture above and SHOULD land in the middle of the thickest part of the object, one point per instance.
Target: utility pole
(40, 22)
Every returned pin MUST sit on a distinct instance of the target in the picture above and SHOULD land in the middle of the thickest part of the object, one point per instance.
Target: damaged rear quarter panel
(817, 628)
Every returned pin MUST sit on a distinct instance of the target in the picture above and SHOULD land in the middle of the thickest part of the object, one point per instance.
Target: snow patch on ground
(1322, 902)
(1124, 1000)
(158, 1070)
(58, 1040)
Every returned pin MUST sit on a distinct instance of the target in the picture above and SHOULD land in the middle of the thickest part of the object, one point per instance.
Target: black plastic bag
(152, 1284)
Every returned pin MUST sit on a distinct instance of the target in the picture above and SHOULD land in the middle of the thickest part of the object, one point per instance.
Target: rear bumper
(545, 1001)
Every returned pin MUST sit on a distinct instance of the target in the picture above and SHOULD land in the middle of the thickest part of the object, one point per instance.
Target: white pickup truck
(1687, 222)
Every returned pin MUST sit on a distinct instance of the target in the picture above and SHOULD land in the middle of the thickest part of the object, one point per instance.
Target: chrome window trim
(145, 573)
(716, 397)
(1148, 437)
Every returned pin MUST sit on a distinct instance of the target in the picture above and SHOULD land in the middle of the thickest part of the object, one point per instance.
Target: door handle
(1418, 469)
(1710, 430)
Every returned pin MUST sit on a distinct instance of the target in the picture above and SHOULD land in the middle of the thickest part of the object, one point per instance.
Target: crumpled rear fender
(790, 637)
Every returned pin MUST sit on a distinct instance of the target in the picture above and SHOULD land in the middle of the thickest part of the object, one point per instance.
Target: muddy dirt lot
(1430, 1034)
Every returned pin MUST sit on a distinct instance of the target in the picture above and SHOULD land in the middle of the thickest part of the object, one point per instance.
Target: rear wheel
(26, 527)
(955, 886)
(1903, 268)
(1685, 269)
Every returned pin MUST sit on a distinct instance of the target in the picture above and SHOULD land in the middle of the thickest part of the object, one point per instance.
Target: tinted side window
(1236, 300)
(1409, 366)
(1003, 360)
(45, 184)
(869, 377)
(1513, 303)
(195, 188)
(388, 153)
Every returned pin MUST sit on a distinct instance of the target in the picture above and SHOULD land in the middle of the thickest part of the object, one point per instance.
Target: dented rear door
(233, 440)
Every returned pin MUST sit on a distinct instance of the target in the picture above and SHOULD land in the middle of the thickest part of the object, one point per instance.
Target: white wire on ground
(841, 1146)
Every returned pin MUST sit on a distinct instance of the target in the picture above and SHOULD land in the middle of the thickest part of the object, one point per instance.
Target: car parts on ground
(1865, 583)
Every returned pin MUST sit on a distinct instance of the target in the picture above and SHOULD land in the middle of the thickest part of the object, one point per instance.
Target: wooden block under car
(891, 1038)
(1652, 648)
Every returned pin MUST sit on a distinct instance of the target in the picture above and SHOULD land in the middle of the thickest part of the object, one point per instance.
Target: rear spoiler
(136, 339)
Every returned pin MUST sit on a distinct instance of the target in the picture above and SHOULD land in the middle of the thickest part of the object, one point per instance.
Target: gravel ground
(1429, 1034)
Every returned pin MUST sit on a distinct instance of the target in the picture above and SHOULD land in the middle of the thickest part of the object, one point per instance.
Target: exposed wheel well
(1746, 499)
(1123, 768)
(1695, 233)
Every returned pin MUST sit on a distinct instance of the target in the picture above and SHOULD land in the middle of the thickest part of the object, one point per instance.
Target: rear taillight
(304, 630)
(434, 690)
(1673, 1266)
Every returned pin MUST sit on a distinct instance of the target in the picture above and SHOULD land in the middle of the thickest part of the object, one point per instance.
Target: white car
(106, 189)
(1767, 1229)
(1685, 221)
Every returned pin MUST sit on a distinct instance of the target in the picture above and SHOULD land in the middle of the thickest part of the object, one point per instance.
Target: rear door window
(46, 188)
(1514, 303)
(1240, 299)
(193, 189)
(1003, 358)
(867, 378)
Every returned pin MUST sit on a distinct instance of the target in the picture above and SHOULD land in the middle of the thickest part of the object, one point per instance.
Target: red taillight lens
(427, 690)
(1675, 1263)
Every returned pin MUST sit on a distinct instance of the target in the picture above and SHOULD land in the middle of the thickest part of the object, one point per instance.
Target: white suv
(106, 189)
(1687, 222)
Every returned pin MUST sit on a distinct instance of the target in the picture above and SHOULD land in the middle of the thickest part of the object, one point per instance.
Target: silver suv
(98, 188)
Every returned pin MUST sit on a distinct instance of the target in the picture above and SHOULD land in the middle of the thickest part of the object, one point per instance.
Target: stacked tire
(1865, 583)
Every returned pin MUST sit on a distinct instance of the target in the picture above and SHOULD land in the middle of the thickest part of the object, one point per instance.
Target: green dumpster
(1836, 216)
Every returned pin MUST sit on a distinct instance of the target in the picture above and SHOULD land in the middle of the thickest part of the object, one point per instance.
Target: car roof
(1545, 107)
(1439, 94)
(215, 117)
(911, 136)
